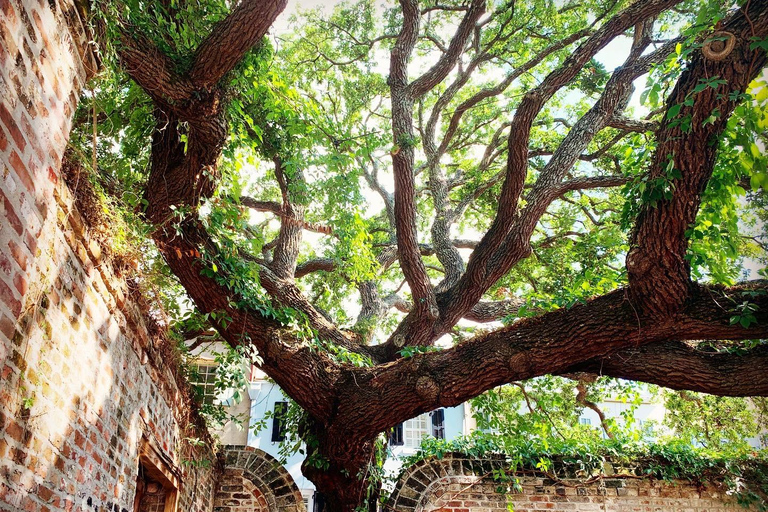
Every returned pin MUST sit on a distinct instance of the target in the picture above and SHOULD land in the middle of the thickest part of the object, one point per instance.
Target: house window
(438, 423)
(414, 430)
(205, 382)
(411, 432)
(278, 421)
(585, 421)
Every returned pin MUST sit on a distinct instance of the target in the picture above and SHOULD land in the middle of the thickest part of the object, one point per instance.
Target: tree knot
(427, 388)
(719, 45)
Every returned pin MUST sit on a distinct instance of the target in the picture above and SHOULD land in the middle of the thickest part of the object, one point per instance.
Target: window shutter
(319, 502)
(278, 421)
(438, 423)
(396, 436)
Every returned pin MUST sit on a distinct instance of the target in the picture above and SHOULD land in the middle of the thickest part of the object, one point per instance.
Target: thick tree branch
(402, 165)
(448, 60)
(288, 243)
(231, 39)
(679, 365)
(659, 273)
(153, 70)
(552, 343)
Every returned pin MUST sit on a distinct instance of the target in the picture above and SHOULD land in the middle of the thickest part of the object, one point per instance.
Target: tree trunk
(343, 468)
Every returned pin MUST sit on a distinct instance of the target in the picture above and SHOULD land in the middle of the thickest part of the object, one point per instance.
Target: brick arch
(426, 481)
(254, 480)
(459, 483)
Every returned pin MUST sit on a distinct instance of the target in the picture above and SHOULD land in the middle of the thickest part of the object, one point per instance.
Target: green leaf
(673, 111)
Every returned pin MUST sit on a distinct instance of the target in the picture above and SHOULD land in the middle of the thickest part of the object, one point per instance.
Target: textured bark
(231, 39)
(684, 366)
(403, 136)
(551, 343)
(658, 272)
(345, 480)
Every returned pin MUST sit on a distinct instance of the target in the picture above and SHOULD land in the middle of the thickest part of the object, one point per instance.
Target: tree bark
(658, 271)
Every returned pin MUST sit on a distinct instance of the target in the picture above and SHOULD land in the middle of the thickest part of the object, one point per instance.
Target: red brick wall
(80, 377)
(238, 494)
(460, 484)
(254, 481)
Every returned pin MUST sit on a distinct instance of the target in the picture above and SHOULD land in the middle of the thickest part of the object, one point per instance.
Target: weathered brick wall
(238, 494)
(81, 379)
(460, 484)
(254, 481)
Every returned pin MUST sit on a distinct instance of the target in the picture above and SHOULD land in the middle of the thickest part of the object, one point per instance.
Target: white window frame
(415, 430)
(206, 380)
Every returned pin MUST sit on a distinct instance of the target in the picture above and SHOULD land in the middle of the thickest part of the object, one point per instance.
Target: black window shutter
(319, 502)
(278, 421)
(438, 423)
(396, 436)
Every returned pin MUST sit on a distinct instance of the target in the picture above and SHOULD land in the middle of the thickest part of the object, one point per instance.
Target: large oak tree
(493, 120)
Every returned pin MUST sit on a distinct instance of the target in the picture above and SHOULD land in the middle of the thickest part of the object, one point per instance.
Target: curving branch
(581, 397)
(501, 246)
(659, 273)
(153, 70)
(275, 208)
(231, 39)
(555, 343)
(450, 57)
(685, 366)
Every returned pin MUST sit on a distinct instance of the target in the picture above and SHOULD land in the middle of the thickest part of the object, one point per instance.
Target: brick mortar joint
(184, 410)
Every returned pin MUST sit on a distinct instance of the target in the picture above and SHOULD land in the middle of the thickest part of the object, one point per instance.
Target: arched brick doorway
(254, 481)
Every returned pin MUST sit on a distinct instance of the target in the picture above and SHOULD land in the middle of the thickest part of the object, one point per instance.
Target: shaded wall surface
(458, 483)
(89, 407)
